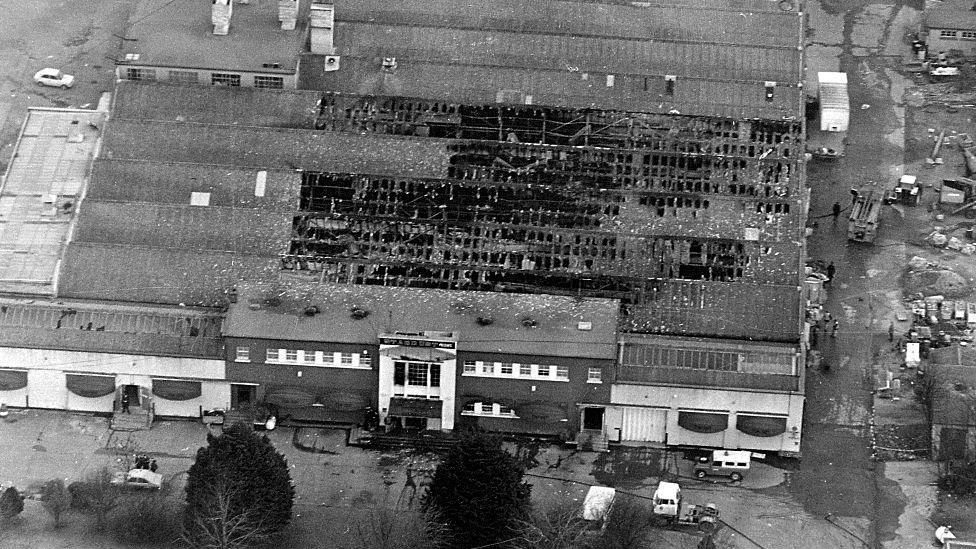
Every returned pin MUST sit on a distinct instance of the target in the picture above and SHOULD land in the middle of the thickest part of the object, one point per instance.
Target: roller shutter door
(643, 424)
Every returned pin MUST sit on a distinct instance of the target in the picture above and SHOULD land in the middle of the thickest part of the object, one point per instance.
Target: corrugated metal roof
(172, 183)
(556, 331)
(719, 309)
(561, 53)
(274, 148)
(215, 104)
(109, 327)
(157, 275)
(217, 229)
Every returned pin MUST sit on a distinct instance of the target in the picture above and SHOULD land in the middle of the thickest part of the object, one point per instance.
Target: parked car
(54, 78)
(140, 479)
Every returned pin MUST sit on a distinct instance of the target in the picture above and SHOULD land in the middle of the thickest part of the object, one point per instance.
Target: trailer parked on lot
(835, 105)
(863, 223)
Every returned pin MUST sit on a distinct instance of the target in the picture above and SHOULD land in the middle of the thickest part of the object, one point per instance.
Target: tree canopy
(479, 492)
(238, 491)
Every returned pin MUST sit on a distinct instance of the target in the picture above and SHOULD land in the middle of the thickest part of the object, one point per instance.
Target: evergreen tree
(479, 492)
(238, 491)
(11, 503)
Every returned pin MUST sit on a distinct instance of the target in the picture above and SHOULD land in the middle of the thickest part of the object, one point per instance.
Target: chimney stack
(288, 14)
(220, 13)
(322, 23)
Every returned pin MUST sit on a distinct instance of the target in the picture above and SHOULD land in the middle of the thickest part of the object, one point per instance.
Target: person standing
(891, 332)
(830, 271)
(125, 402)
(836, 211)
(833, 330)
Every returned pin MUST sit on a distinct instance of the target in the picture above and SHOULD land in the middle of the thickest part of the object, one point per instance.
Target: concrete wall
(676, 399)
(47, 387)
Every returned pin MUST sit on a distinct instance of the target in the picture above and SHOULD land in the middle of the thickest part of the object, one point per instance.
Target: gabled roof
(575, 54)
(277, 311)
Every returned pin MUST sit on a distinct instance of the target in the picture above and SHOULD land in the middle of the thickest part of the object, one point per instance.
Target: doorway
(242, 396)
(593, 419)
(419, 423)
(131, 392)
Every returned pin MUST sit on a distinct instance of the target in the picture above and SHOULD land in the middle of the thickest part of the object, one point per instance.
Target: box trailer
(835, 106)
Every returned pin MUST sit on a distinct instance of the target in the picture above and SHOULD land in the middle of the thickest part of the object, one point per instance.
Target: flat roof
(277, 311)
(575, 54)
(179, 34)
(40, 192)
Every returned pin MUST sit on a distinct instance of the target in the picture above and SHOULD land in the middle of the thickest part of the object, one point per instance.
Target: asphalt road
(76, 36)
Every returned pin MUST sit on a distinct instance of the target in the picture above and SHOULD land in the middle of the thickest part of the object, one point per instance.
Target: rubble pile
(930, 279)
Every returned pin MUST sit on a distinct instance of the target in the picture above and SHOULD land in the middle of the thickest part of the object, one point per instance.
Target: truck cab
(724, 463)
(667, 499)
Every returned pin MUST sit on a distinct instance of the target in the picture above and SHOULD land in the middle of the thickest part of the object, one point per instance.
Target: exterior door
(593, 419)
(242, 396)
(132, 391)
(643, 425)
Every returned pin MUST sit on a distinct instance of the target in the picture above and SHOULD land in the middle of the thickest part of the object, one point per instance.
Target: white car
(54, 78)
(138, 478)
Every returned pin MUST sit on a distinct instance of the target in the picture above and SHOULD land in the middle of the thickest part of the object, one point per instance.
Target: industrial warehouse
(448, 231)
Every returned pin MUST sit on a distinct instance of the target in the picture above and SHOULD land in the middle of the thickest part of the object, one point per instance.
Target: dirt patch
(628, 467)
(939, 282)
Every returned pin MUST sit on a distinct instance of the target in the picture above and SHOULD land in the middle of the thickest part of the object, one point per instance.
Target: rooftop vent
(331, 63)
(770, 90)
(312, 310)
(389, 64)
(358, 313)
(288, 14)
(669, 80)
(271, 65)
(529, 322)
(485, 321)
(322, 22)
(584, 326)
(220, 13)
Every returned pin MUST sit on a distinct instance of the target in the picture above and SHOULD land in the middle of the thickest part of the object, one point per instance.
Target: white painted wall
(718, 400)
(46, 383)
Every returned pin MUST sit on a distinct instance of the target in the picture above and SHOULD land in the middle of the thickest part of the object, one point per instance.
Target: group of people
(144, 462)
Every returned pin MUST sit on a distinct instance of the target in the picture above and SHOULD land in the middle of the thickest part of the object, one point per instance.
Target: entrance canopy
(415, 407)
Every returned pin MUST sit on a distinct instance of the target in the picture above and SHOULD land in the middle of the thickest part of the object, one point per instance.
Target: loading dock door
(643, 424)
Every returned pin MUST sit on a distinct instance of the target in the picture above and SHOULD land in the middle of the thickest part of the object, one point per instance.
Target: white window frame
(268, 82)
(274, 356)
(242, 354)
(967, 35)
(949, 34)
(183, 77)
(228, 79)
(291, 356)
(479, 368)
(594, 375)
(481, 409)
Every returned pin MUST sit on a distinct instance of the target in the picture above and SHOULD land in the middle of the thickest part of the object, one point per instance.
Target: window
(345, 359)
(562, 372)
(470, 366)
(417, 374)
(435, 375)
(525, 370)
(225, 79)
(506, 368)
(968, 35)
(272, 355)
(291, 355)
(243, 354)
(270, 82)
(947, 34)
(487, 368)
(140, 74)
(594, 375)
(488, 409)
(543, 370)
(399, 373)
(184, 77)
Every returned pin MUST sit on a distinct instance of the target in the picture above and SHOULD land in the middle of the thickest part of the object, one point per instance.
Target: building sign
(403, 342)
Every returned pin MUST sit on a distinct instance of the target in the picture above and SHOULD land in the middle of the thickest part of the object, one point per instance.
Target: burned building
(648, 153)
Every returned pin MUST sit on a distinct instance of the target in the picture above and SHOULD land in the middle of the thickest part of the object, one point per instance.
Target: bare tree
(56, 500)
(221, 525)
(628, 526)
(559, 527)
(96, 494)
(401, 528)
